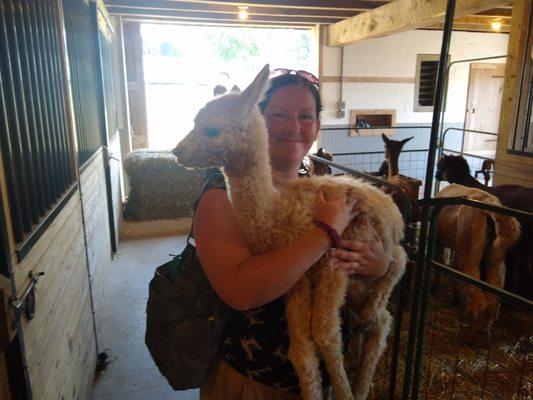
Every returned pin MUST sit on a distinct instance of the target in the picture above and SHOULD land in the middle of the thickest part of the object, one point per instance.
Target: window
(427, 66)
(522, 139)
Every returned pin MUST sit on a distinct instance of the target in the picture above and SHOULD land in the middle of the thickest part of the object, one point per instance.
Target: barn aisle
(132, 374)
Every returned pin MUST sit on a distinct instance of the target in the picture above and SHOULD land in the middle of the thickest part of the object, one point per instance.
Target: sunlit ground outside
(182, 65)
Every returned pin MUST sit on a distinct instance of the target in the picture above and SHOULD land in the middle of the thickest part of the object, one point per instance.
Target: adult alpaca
(406, 185)
(480, 240)
(230, 133)
(455, 169)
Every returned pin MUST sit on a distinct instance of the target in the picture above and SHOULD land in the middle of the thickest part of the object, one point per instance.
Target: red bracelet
(332, 233)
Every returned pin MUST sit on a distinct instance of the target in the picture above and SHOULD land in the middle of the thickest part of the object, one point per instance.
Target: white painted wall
(395, 56)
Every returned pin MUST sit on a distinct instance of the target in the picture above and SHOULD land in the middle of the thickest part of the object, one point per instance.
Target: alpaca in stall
(406, 185)
(479, 240)
(317, 168)
(230, 133)
(519, 279)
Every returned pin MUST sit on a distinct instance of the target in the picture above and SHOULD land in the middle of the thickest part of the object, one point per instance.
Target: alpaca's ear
(235, 89)
(252, 94)
(385, 138)
(406, 140)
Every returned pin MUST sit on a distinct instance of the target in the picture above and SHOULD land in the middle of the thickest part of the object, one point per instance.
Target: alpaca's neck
(392, 163)
(470, 181)
(250, 186)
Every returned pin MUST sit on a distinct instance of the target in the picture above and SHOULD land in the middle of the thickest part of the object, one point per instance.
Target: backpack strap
(214, 180)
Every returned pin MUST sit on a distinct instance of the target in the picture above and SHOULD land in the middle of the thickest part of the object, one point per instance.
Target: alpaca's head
(393, 148)
(452, 169)
(221, 136)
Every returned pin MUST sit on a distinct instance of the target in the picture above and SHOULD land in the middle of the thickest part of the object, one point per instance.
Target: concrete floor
(132, 374)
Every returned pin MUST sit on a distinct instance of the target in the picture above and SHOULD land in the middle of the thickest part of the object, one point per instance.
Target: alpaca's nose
(176, 151)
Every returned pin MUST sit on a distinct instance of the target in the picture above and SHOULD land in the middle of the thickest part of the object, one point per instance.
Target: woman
(254, 353)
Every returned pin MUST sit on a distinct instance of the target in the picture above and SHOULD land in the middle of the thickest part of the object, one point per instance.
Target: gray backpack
(185, 319)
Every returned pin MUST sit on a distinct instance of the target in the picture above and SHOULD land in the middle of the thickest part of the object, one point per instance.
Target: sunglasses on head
(308, 76)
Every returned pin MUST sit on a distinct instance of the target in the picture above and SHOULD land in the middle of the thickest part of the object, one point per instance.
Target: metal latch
(26, 301)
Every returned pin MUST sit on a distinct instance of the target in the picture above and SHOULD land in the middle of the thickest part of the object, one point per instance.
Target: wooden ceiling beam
(214, 16)
(400, 16)
(207, 22)
(361, 5)
(164, 5)
(498, 12)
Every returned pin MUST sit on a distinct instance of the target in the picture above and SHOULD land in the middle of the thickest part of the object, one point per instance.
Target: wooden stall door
(483, 107)
(136, 92)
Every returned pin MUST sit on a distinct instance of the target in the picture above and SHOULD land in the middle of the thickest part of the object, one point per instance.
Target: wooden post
(401, 15)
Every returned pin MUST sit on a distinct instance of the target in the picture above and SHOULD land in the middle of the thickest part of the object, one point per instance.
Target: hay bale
(159, 187)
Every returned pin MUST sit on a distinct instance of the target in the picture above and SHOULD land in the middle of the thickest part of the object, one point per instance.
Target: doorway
(483, 105)
(183, 64)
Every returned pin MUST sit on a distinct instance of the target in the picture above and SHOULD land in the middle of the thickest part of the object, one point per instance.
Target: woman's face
(292, 126)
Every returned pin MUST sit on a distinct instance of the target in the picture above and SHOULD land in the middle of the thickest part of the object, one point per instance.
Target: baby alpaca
(230, 132)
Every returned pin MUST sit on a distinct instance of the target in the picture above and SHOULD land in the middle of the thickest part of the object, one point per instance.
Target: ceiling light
(496, 24)
(243, 13)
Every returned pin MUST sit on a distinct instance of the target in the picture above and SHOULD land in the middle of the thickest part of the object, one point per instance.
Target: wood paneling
(115, 167)
(400, 16)
(511, 168)
(59, 341)
(94, 197)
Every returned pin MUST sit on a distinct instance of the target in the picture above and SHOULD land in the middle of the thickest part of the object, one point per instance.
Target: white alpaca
(230, 133)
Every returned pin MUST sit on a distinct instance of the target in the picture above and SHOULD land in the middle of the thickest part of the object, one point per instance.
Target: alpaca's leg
(375, 323)
(302, 351)
(382, 288)
(328, 298)
(373, 342)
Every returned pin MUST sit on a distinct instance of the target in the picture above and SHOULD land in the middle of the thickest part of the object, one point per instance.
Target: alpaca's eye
(211, 132)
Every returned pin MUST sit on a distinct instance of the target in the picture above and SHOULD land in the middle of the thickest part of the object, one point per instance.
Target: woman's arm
(246, 281)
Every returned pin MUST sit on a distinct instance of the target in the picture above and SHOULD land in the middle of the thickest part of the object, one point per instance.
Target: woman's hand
(365, 259)
(336, 213)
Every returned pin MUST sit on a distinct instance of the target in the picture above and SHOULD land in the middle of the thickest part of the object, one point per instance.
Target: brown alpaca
(319, 169)
(230, 133)
(408, 186)
(478, 252)
(519, 280)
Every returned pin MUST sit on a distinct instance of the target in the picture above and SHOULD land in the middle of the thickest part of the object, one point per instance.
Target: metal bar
(20, 95)
(20, 300)
(13, 142)
(427, 194)
(349, 127)
(43, 105)
(34, 165)
(511, 298)
(424, 302)
(364, 153)
(5, 141)
(40, 152)
(25, 247)
(50, 124)
(25, 152)
(72, 60)
(64, 147)
(447, 201)
(58, 151)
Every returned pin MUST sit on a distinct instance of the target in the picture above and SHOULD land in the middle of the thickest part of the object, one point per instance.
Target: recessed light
(496, 24)
(243, 12)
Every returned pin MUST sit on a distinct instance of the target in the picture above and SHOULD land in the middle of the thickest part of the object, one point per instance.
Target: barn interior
(93, 94)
